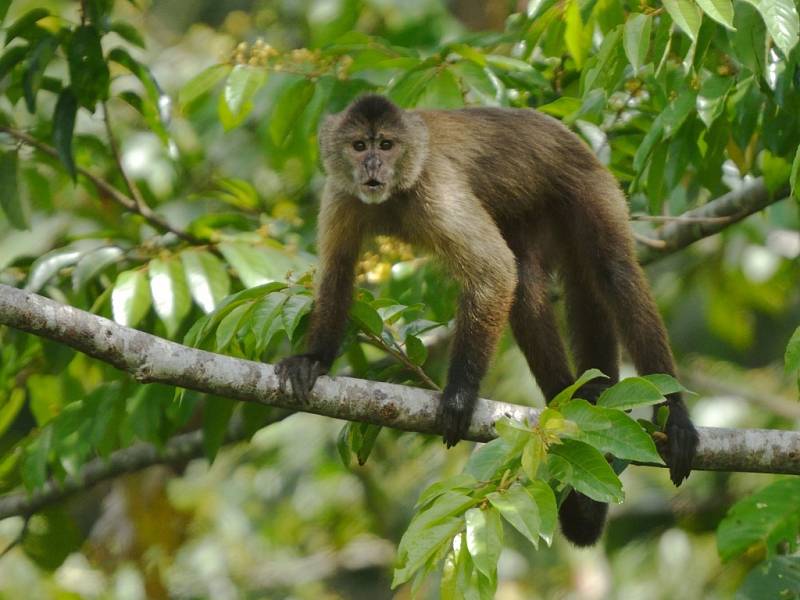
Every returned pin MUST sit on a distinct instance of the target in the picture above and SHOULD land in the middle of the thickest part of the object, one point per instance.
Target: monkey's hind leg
(605, 240)
(535, 329)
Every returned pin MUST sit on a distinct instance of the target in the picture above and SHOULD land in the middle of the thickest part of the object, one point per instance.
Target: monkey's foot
(302, 371)
(681, 443)
(455, 414)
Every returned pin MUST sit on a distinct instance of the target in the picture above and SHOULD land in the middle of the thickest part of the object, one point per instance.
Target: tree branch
(711, 218)
(178, 449)
(104, 186)
(153, 359)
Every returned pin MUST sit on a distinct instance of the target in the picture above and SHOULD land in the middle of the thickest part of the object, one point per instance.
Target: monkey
(503, 197)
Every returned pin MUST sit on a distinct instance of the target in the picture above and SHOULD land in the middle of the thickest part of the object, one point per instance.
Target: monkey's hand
(301, 371)
(455, 414)
(681, 442)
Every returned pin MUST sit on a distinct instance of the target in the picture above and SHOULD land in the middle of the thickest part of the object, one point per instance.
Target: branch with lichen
(152, 359)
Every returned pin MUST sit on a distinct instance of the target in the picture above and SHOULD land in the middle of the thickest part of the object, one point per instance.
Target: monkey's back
(526, 167)
(512, 155)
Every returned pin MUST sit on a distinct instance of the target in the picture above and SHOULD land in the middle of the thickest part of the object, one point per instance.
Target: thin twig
(401, 357)
(681, 219)
(649, 242)
(108, 189)
(177, 450)
(133, 189)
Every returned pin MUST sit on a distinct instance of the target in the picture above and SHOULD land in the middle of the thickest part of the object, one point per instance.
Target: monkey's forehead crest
(373, 108)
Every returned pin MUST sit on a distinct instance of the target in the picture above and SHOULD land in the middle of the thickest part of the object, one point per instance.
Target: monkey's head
(373, 148)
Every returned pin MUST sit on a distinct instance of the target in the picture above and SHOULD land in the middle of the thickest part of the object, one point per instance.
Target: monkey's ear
(328, 125)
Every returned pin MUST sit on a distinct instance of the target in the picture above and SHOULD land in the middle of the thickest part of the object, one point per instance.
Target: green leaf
(63, 128)
(462, 481)
(33, 75)
(719, 10)
(207, 277)
(367, 317)
(408, 88)
(416, 350)
(637, 39)
(545, 499)
(288, 108)
(666, 384)
(532, 455)
(256, 265)
(263, 316)
(519, 508)
(128, 33)
(767, 518)
(711, 98)
(577, 35)
(778, 577)
(489, 459)
(10, 198)
(445, 505)
(443, 91)
(10, 407)
(612, 431)
(296, 307)
(415, 549)
(11, 58)
(4, 4)
(630, 393)
(201, 83)
(34, 466)
(230, 325)
(130, 298)
(515, 434)
(236, 101)
(507, 63)
(686, 15)
(484, 538)
(25, 23)
(88, 72)
(794, 178)
(170, 293)
(217, 413)
(566, 394)
(92, 264)
(368, 433)
(781, 19)
(47, 266)
(583, 467)
(791, 359)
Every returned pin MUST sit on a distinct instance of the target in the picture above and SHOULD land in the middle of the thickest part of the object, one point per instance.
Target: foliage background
(683, 101)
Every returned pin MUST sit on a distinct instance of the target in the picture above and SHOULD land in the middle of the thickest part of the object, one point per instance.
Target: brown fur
(505, 198)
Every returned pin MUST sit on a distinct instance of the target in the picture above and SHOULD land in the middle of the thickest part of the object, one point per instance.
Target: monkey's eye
(386, 144)
(359, 146)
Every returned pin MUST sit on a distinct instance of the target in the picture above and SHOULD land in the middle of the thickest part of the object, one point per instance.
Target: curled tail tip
(582, 519)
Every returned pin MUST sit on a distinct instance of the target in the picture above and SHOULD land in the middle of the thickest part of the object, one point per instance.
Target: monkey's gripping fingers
(455, 414)
(302, 372)
(681, 443)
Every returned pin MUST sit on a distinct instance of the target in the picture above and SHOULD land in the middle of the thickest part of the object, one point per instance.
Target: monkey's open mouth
(373, 184)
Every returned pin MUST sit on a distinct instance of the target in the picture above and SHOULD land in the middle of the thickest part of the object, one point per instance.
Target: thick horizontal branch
(711, 218)
(153, 359)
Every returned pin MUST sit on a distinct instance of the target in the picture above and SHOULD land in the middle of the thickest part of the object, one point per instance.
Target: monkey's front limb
(480, 320)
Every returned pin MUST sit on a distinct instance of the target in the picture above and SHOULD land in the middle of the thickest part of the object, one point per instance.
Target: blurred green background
(213, 108)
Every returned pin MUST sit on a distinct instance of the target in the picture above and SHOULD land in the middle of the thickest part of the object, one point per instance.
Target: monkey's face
(372, 159)
(373, 149)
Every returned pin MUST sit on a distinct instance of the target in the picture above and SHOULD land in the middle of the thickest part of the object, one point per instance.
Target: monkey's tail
(582, 519)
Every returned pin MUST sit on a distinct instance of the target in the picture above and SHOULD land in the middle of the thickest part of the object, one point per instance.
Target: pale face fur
(370, 152)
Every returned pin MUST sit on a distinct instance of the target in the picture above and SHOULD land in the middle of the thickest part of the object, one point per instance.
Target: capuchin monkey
(503, 197)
